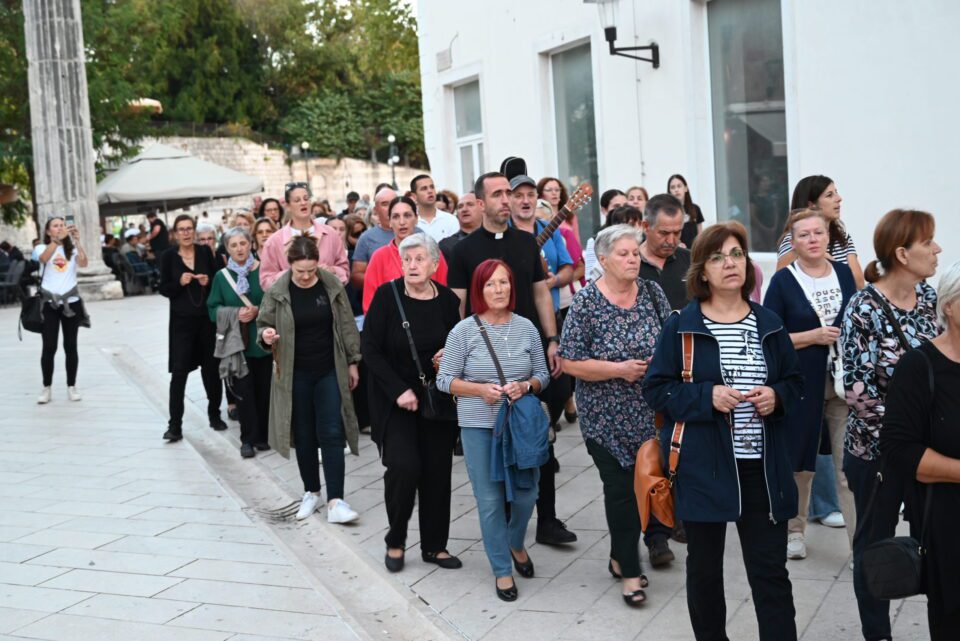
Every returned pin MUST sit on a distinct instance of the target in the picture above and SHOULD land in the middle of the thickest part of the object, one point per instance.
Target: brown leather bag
(654, 490)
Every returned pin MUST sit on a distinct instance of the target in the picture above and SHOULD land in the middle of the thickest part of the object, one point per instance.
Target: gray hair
(233, 232)
(948, 291)
(421, 240)
(203, 228)
(608, 237)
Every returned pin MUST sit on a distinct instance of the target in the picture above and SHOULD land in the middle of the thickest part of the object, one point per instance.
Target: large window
(749, 128)
(576, 130)
(469, 133)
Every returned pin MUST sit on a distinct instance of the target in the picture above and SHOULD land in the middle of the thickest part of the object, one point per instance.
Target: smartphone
(70, 220)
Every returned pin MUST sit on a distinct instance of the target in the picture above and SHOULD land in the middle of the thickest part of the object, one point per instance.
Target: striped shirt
(743, 366)
(465, 356)
(839, 252)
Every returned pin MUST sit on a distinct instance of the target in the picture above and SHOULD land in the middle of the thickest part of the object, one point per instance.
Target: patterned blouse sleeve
(860, 343)
(661, 305)
(576, 338)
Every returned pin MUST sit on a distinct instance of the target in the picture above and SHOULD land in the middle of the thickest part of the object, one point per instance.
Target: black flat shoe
(393, 564)
(523, 569)
(247, 451)
(507, 594)
(263, 447)
(635, 599)
(217, 423)
(447, 563)
(173, 434)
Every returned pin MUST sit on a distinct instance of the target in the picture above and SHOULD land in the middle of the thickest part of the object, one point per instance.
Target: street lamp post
(305, 146)
(393, 159)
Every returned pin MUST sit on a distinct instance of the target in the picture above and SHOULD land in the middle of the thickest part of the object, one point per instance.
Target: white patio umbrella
(164, 177)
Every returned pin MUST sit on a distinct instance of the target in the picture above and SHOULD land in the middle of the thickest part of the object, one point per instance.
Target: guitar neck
(547, 232)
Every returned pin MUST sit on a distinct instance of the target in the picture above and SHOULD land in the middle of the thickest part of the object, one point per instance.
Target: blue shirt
(555, 251)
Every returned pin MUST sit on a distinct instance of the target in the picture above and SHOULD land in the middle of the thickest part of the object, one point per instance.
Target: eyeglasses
(183, 230)
(718, 258)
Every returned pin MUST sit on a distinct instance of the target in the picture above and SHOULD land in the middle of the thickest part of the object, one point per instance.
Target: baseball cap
(522, 179)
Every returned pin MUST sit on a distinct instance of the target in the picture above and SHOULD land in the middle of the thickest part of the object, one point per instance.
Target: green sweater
(222, 294)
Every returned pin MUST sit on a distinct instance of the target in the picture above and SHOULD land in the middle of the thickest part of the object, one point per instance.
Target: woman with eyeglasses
(263, 229)
(186, 273)
(271, 209)
(733, 460)
(333, 255)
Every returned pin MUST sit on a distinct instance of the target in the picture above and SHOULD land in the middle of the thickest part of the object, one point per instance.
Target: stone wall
(328, 178)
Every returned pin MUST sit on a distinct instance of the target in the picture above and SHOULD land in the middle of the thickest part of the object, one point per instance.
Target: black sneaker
(554, 532)
(247, 451)
(173, 434)
(217, 423)
(660, 553)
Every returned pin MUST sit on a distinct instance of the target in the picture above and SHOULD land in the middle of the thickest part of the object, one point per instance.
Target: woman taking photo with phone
(59, 256)
(186, 272)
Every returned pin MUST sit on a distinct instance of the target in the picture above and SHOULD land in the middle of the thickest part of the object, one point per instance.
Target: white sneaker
(834, 519)
(339, 511)
(796, 547)
(45, 395)
(73, 394)
(308, 505)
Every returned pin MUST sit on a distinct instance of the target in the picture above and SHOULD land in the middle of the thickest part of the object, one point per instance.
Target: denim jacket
(707, 485)
(519, 444)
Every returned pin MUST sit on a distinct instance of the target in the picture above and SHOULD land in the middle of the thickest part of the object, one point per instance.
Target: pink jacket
(273, 255)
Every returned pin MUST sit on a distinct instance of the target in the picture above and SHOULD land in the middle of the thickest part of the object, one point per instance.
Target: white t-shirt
(824, 294)
(59, 274)
(442, 225)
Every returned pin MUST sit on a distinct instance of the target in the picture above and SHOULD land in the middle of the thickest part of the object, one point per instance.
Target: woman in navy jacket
(810, 295)
(733, 463)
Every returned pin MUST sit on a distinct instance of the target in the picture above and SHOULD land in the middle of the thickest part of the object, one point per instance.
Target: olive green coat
(275, 312)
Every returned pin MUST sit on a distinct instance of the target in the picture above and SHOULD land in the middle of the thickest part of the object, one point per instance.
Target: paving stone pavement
(108, 533)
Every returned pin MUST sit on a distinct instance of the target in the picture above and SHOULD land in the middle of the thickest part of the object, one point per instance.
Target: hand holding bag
(434, 404)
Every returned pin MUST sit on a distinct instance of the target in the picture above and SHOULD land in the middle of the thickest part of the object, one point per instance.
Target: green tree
(328, 121)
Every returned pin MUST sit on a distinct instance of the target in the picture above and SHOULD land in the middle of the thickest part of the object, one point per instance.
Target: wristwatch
(529, 387)
(553, 339)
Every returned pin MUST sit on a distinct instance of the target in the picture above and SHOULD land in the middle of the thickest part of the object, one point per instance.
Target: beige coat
(275, 312)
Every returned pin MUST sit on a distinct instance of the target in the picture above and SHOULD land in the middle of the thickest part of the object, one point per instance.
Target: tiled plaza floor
(108, 533)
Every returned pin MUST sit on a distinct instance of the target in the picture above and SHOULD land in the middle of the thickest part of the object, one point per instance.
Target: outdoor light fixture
(393, 159)
(608, 17)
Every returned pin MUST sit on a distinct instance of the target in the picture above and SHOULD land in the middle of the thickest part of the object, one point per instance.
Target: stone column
(63, 156)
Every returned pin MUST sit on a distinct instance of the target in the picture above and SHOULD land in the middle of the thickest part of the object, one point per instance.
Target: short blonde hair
(948, 291)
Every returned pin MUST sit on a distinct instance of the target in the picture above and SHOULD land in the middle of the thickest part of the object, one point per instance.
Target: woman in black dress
(417, 452)
(186, 273)
(920, 439)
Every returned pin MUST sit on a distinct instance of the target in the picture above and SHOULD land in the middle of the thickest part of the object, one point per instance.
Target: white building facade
(750, 96)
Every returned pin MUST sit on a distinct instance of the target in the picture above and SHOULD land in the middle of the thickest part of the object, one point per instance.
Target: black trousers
(53, 320)
(764, 547)
(418, 455)
(620, 503)
(253, 400)
(211, 384)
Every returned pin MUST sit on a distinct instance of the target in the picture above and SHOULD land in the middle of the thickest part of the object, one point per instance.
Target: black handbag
(31, 312)
(893, 568)
(434, 405)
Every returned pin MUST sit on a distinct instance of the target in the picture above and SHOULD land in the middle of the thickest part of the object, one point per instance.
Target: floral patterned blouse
(613, 413)
(871, 349)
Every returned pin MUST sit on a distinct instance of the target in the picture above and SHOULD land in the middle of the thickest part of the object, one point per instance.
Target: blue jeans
(317, 424)
(499, 534)
(823, 498)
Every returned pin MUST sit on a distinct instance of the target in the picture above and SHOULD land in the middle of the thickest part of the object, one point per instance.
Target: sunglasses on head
(297, 185)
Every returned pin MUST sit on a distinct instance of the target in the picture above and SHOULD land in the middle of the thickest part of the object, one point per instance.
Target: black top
(516, 248)
(448, 243)
(689, 232)
(906, 434)
(192, 299)
(672, 278)
(313, 324)
(161, 242)
(386, 351)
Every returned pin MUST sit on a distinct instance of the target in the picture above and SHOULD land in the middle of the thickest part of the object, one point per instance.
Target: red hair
(481, 275)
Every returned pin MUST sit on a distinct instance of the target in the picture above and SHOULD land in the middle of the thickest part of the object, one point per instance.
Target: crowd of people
(472, 323)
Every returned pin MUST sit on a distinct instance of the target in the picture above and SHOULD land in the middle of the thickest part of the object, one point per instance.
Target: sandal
(635, 599)
(644, 582)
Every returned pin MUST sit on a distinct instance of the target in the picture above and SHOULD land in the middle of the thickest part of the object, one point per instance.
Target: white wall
(872, 96)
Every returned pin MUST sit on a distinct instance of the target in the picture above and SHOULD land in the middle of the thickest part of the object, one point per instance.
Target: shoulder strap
(792, 268)
(406, 328)
(493, 354)
(653, 300)
(889, 313)
(677, 439)
(233, 284)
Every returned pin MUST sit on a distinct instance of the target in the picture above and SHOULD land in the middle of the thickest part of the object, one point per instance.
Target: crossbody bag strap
(653, 301)
(493, 354)
(676, 440)
(406, 328)
(233, 284)
(893, 319)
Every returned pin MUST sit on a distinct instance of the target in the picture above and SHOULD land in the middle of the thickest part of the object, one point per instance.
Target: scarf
(243, 285)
